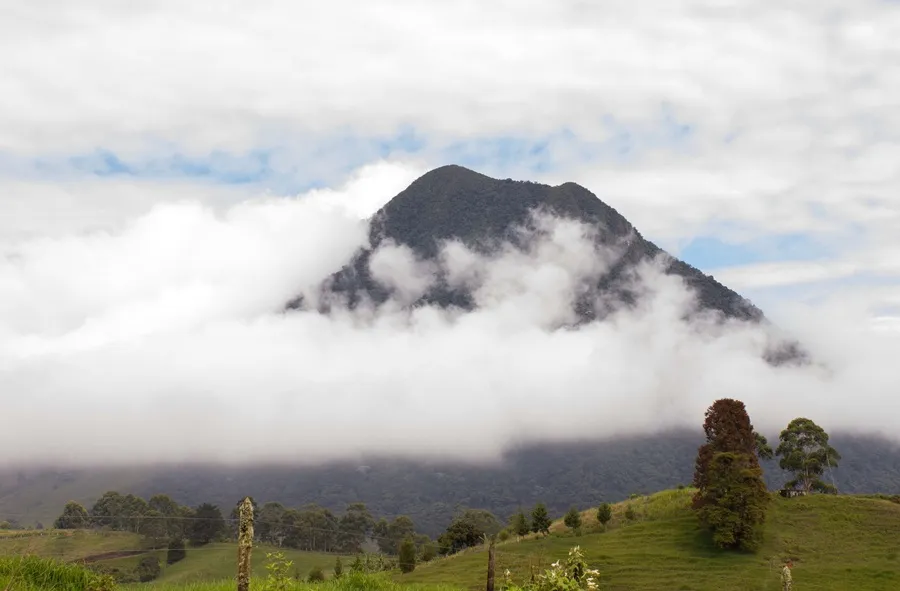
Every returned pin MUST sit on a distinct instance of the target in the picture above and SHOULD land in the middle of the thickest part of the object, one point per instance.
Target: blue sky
(696, 133)
(152, 158)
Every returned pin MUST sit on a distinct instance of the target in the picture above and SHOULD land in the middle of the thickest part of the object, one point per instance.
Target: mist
(164, 339)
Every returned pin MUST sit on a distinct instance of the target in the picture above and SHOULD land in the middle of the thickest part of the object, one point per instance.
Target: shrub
(316, 575)
(148, 569)
(176, 551)
(278, 578)
(571, 575)
(429, 552)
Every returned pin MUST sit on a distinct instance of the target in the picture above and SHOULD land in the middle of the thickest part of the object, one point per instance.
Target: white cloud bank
(792, 110)
(162, 340)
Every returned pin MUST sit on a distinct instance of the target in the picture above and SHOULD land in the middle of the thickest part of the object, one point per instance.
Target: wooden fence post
(490, 574)
(245, 544)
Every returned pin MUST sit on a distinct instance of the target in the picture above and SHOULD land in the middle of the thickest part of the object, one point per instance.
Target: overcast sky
(171, 173)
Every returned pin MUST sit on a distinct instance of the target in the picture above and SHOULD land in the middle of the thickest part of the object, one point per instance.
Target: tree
(736, 500)
(74, 516)
(176, 550)
(407, 556)
(154, 528)
(267, 524)
(355, 525)
(390, 535)
(573, 519)
(731, 498)
(338, 568)
(604, 514)
(805, 452)
(173, 512)
(467, 530)
(207, 525)
(107, 511)
(728, 429)
(520, 524)
(540, 520)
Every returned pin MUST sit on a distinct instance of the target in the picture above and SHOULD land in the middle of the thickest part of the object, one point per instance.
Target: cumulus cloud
(694, 117)
(165, 340)
(136, 310)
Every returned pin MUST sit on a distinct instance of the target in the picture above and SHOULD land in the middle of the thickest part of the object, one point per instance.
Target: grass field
(208, 563)
(218, 561)
(837, 543)
(67, 545)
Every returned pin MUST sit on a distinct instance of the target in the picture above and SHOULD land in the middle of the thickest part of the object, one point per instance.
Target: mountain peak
(455, 203)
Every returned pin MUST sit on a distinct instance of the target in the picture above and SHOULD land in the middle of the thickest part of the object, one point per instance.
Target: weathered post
(245, 544)
(490, 576)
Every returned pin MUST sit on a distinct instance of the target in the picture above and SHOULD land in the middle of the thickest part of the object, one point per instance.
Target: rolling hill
(122, 551)
(836, 542)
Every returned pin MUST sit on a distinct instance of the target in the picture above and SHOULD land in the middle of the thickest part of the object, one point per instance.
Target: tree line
(731, 502)
(313, 528)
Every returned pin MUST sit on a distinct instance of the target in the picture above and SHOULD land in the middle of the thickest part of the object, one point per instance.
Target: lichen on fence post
(490, 573)
(245, 544)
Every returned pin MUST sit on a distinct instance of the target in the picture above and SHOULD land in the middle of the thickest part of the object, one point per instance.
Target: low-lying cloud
(165, 339)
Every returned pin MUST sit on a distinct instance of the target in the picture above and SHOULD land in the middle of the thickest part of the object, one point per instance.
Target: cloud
(147, 302)
(733, 122)
(165, 340)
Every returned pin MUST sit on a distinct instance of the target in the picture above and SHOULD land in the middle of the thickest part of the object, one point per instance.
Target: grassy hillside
(119, 550)
(68, 545)
(218, 561)
(31, 573)
(837, 543)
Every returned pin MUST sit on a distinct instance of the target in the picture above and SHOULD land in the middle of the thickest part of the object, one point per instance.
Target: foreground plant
(279, 568)
(571, 575)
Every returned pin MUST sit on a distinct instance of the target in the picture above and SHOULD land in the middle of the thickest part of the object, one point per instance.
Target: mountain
(455, 203)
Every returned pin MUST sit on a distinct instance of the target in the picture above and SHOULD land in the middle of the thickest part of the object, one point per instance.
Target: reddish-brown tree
(731, 496)
(728, 429)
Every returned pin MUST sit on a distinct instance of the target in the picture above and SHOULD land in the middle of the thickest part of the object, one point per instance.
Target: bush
(148, 569)
(572, 574)
(630, 515)
(316, 575)
(278, 567)
(176, 551)
(429, 552)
